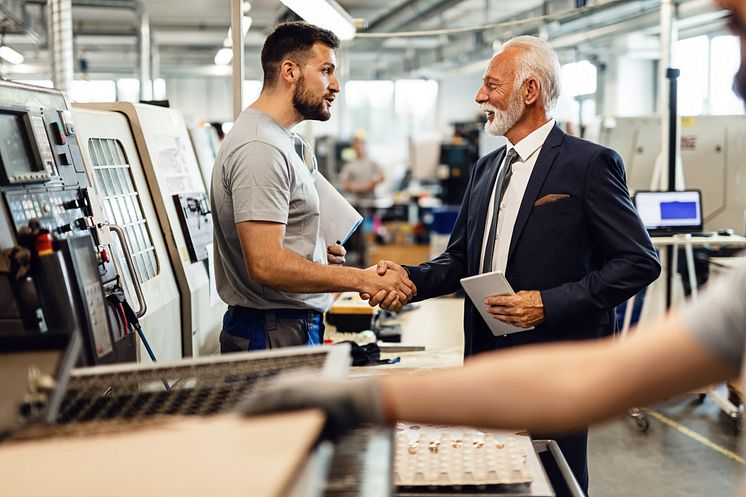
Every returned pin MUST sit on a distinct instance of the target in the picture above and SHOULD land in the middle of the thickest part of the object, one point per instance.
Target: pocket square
(551, 198)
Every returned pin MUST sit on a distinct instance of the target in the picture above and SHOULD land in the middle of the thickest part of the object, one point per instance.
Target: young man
(271, 266)
(552, 387)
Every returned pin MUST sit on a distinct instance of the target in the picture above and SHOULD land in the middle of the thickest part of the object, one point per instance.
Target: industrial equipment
(206, 144)
(711, 155)
(179, 195)
(113, 163)
(57, 274)
(123, 399)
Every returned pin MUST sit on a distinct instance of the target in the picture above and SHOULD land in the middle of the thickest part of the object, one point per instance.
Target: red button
(104, 255)
(43, 244)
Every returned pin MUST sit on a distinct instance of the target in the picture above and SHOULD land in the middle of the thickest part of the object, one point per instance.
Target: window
(251, 90)
(128, 90)
(707, 68)
(725, 54)
(93, 91)
(416, 101)
(691, 56)
(579, 78)
(369, 106)
(114, 183)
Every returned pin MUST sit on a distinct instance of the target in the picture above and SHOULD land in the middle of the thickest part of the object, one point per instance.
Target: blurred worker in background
(553, 387)
(360, 176)
(271, 266)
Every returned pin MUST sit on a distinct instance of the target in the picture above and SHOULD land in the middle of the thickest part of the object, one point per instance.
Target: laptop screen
(670, 212)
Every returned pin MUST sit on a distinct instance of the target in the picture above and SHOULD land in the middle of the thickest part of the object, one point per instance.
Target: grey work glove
(346, 403)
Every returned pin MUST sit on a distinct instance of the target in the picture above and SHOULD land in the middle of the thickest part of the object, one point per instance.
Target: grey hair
(538, 60)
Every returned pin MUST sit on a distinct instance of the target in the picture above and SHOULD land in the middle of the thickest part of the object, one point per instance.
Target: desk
(437, 324)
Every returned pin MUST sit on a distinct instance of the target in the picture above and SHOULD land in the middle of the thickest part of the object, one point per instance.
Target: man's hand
(392, 289)
(524, 309)
(389, 300)
(347, 403)
(335, 254)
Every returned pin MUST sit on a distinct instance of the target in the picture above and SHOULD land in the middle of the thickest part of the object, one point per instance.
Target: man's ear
(289, 71)
(531, 91)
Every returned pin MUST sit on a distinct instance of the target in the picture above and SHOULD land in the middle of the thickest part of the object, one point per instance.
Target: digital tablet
(484, 285)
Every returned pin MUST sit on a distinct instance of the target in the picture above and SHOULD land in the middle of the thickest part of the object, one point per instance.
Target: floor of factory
(689, 449)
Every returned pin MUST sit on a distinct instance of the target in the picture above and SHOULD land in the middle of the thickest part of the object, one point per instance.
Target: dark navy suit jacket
(585, 254)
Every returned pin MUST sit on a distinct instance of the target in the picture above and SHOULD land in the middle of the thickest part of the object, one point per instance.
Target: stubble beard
(307, 105)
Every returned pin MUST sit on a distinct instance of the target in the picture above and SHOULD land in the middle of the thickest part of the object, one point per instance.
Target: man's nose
(334, 84)
(481, 96)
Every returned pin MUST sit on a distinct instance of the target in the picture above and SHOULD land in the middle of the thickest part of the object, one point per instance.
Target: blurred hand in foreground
(346, 403)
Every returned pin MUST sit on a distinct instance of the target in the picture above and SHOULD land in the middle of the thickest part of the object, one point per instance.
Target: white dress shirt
(528, 151)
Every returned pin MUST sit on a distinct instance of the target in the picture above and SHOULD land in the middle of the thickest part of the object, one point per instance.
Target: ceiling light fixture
(326, 14)
(223, 57)
(245, 25)
(10, 55)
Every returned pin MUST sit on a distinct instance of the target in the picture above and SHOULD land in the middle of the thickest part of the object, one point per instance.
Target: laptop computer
(666, 213)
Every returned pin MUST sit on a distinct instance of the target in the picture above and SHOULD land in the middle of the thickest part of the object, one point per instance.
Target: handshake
(387, 284)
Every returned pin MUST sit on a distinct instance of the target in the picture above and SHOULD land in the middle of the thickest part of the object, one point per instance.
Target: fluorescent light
(224, 56)
(326, 14)
(245, 25)
(11, 55)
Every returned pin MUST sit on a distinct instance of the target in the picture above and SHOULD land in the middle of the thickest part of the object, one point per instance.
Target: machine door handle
(142, 305)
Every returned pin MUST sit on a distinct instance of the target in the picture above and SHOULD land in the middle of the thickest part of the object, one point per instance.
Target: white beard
(503, 121)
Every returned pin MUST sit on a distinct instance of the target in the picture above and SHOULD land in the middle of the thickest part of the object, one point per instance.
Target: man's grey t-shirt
(718, 321)
(258, 176)
(718, 317)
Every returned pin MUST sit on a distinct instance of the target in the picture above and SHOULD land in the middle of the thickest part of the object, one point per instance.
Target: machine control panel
(45, 193)
(55, 210)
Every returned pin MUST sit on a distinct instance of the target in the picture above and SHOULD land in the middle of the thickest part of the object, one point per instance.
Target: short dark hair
(292, 40)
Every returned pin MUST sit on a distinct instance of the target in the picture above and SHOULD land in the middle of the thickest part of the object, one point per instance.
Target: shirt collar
(533, 142)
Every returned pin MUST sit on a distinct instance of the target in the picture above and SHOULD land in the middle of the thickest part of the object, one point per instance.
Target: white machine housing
(171, 168)
(162, 320)
(712, 151)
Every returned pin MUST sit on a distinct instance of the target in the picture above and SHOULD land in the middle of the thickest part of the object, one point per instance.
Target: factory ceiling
(459, 35)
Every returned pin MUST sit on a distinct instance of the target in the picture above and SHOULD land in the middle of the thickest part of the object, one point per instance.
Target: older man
(549, 210)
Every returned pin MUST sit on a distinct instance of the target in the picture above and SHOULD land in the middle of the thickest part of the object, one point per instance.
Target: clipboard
(338, 220)
(483, 285)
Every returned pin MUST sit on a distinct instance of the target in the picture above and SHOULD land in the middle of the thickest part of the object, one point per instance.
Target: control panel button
(58, 133)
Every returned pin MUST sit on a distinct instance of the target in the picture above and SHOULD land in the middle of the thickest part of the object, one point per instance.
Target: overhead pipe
(60, 32)
(408, 13)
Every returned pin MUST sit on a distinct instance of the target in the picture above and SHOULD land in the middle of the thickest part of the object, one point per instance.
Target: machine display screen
(15, 148)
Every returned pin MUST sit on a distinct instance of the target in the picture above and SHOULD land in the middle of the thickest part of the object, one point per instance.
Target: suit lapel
(548, 154)
(490, 176)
